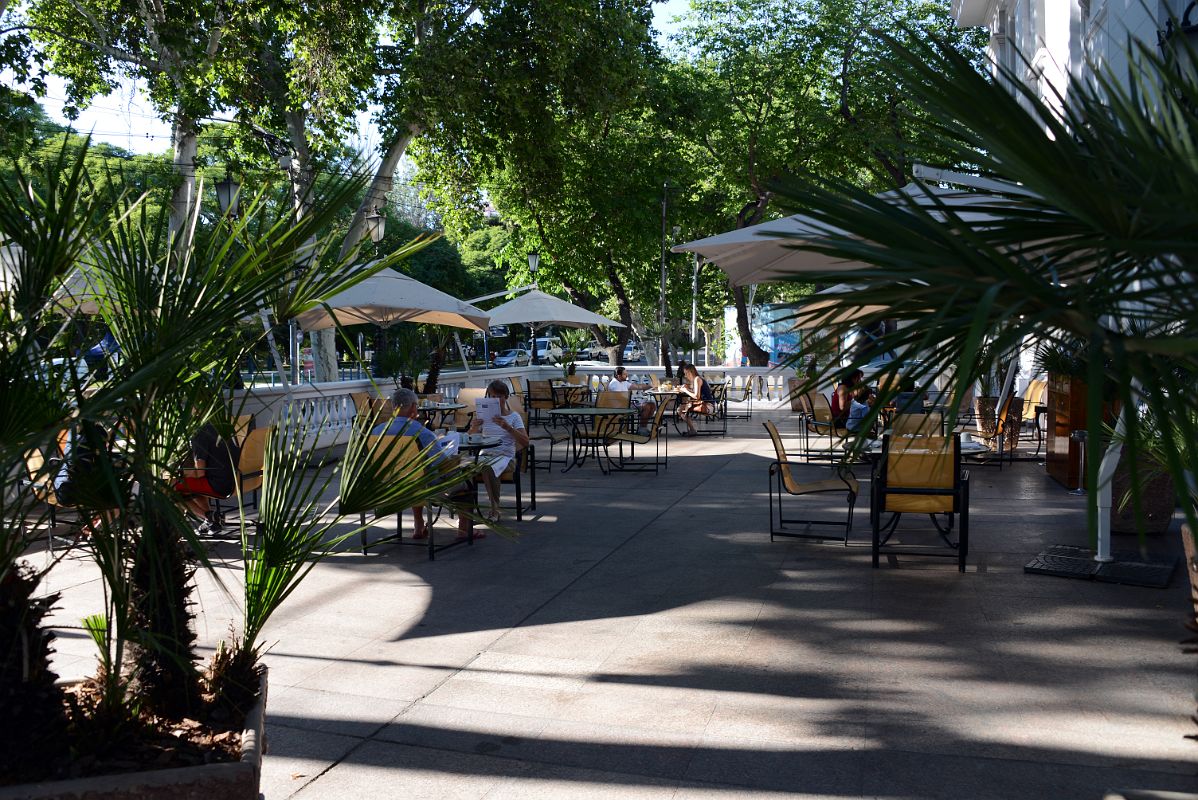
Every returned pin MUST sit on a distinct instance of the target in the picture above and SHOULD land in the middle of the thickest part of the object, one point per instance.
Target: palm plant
(170, 305)
(1089, 235)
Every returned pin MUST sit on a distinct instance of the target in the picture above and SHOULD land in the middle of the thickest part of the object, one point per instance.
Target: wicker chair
(783, 482)
(921, 475)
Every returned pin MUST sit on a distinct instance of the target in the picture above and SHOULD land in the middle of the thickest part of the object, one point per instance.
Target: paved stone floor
(644, 639)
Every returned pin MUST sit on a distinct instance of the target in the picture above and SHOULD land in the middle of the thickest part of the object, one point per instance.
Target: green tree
(454, 69)
(173, 46)
(796, 87)
(1090, 242)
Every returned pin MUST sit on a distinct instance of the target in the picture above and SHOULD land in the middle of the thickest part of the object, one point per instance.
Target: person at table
(842, 397)
(621, 383)
(407, 423)
(697, 398)
(213, 475)
(508, 427)
(859, 406)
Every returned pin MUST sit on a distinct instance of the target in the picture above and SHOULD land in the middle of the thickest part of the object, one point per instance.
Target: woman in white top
(509, 429)
(620, 383)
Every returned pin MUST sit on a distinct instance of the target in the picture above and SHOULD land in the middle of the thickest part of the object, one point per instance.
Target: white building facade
(1045, 41)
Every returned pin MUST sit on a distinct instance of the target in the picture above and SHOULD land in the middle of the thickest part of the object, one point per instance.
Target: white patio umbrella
(826, 308)
(765, 252)
(536, 307)
(390, 297)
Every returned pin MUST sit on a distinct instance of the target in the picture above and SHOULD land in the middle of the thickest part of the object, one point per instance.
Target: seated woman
(697, 398)
(620, 383)
(509, 428)
(842, 397)
(858, 409)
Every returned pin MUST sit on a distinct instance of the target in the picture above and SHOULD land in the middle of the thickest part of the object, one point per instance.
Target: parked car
(593, 351)
(633, 353)
(518, 357)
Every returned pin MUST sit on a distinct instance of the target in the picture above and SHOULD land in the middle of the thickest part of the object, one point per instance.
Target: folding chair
(783, 481)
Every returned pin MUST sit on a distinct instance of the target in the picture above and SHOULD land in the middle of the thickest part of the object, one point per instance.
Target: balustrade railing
(324, 412)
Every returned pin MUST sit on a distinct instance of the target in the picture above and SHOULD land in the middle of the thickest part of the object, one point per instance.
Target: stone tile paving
(645, 639)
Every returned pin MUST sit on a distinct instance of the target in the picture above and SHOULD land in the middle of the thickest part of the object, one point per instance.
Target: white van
(548, 348)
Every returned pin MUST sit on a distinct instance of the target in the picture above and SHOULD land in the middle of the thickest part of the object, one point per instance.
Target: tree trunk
(183, 198)
(757, 356)
(615, 354)
(751, 214)
(324, 349)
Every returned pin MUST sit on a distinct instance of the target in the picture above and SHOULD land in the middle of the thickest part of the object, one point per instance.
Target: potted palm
(169, 302)
(573, 341)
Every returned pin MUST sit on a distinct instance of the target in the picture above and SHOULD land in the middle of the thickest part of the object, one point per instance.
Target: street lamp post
(661, 310)
(228, 192)
(534, 261)
(694, 308)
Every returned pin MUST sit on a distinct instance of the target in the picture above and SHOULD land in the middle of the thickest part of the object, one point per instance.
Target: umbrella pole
(274, 353)
(461, 351)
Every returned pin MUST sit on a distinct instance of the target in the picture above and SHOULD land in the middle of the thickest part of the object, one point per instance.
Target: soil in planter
(153, 743)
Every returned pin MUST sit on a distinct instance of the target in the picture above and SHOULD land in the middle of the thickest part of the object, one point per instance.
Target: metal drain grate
(1131, 568)
(1048, 563)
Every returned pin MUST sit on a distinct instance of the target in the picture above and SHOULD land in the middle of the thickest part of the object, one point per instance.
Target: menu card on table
(486, 409)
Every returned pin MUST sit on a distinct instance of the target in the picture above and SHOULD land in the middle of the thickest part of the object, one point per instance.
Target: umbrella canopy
(765, 252)
(389, 297)
(826, 308)
(537, 307)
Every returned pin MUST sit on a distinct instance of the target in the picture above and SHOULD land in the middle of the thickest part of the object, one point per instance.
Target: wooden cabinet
(1066, 413)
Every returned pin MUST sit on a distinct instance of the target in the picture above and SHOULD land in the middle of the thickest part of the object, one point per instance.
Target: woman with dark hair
(842, 397)
(696, 397)
(509, 428)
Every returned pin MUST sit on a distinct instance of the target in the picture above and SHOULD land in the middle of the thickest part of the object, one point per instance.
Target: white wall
(1056, 39)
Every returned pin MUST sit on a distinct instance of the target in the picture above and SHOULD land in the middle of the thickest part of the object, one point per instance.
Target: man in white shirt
(620, 383)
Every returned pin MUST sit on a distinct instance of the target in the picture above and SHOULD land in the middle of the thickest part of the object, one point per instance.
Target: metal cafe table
(570, 394)
(587, 431)
(433, 414)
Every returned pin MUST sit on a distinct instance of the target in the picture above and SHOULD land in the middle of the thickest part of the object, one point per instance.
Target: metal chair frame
(782, 482)
(958, 492)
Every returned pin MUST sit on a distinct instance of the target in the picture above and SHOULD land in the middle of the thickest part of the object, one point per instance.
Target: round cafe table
(433, 414)
(583, 439)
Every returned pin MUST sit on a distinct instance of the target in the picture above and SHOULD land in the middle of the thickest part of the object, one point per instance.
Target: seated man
(620, 383)
(407, 405)
(213, 475)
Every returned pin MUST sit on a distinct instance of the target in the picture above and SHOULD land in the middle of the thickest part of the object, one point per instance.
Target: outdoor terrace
(644, 638)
